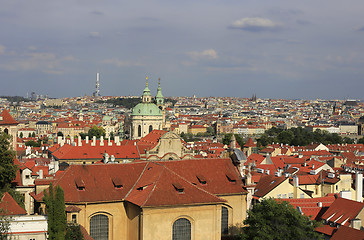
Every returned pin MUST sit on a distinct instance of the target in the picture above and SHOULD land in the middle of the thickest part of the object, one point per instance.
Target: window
(290, 195)
(139, 131)
(181, 229)
(74, 218)
(150, 128)
(278, 195)
(284, 195)
(224, 221)
(99, 227)
(302, 195)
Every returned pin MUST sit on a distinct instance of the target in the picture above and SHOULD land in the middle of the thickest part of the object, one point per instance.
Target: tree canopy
(96, 131)
(300, 136)
(55, 207)
(7, 167)
(275, 219)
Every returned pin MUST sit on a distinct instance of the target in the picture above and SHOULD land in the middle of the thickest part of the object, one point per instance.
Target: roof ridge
(155, 185)
(136, 182)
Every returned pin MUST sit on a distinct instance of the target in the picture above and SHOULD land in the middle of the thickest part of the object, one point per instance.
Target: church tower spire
(159, 97)
(147, 97)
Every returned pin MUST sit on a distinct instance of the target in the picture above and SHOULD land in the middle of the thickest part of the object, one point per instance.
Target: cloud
(209, 54)
(94, 35)
(255, 24)
(2, 49)
(361, 29)
(117, 62)
(97, 12)
(42, 61)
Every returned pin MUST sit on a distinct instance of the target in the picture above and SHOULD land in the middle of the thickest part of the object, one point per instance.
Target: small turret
(159, 97)
(147, 97)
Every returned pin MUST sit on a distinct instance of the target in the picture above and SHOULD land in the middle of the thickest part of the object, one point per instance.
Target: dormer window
(80, 184)
(179, 188)
(231, 177)
(201, 179)
(117, 183)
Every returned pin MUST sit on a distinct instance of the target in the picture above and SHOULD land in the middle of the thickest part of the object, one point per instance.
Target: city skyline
(280, 49)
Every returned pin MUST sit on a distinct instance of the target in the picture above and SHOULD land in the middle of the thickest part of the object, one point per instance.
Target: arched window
(224, 221)
(99, 227)
(150, 128)
(182, 229)
(139, 131)
(6, 131)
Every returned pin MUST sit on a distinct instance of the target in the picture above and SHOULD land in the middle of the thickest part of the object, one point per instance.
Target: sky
(286, 49)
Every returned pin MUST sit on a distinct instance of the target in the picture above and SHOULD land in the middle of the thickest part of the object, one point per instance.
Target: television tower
(97, 90)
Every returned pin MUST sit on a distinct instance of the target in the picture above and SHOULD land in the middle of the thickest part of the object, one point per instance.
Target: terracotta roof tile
(9, 206)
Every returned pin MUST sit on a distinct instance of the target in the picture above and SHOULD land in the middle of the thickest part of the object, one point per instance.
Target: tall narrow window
(99, 227)
(150, 128)
(224, 221)
(139, 131)
(182, 229)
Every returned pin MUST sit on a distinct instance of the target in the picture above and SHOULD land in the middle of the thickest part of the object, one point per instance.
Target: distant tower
(97, 89)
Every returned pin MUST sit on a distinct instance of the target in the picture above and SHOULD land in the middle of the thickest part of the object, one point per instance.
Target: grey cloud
(255, 24)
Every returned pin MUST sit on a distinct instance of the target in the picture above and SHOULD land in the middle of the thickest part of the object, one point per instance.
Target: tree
(55, 208)
(21, 135)
(4, 225)
(7, 167)
(275, 219)
(96, 131)
(33, 134)
(361, 140)
(73, 232)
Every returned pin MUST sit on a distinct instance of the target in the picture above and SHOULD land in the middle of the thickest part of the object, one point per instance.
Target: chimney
(61, 143)
(40, 174)
(87, 139)
(319, 204)
(109, 143)
(356, 223)
(59, 139)
(102, 141)
(93, 143)
(117, 140)
(296, 182)
(359, 186)
(72, 139)
(79, 141)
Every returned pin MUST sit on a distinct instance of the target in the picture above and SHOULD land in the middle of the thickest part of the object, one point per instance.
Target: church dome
(146, 109)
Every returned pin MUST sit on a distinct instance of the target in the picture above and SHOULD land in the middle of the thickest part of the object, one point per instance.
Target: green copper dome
(146, 109)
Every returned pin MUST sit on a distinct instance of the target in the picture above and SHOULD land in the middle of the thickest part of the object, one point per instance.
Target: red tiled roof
(326, 229)
(250, 143)
(345, 232)
(7, 119)
(342, 211)
(151, 183)
(9, 206)
(266, 184)
(86, 151)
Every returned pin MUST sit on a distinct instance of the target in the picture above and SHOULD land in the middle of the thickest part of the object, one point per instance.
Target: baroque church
(147, 115)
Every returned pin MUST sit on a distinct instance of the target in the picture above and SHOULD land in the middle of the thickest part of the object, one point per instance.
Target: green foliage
(33, 134)
(73, 232)
(300, 136)
(4, 225)
(274, 219)
(60, 219)
(55, 208)
(21, 135)
(125, 102)
(33, 143)
(227, 138)
(60, 134)
(361, 140)
(16, 98)
(96, 131)
(18, 197)
(7, 167)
